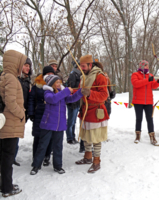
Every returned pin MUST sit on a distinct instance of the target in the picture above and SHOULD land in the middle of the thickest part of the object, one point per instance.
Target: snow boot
(15, 190)
(95, 166)
(46, 161)
(34, 171)
(16, 163)
(60, 170)
(86, 160)
(153, 139)
(138, 135)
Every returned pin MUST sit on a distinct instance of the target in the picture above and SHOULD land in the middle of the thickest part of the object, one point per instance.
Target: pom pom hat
(51, 79)
(143, 63)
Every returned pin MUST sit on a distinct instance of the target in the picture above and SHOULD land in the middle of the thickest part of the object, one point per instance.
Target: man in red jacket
(94, 128)
(143, 82)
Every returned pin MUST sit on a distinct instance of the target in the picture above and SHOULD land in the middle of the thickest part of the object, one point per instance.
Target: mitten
(150, 78)
(85, 91)
(32, 117)
(112, 94)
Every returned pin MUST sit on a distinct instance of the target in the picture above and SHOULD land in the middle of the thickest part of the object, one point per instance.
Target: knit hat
(28, 61)
(143, 63)
(48, 69)
(52, 62)
(86, 59)
(51, 79)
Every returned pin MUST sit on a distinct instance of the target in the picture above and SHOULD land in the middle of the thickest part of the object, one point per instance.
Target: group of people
(45, 103)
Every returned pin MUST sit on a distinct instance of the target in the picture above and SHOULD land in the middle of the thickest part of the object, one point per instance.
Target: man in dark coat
(73, 108)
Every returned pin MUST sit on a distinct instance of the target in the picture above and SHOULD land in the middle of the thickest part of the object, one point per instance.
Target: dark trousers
(17, 148)
(56, 138)
(71, 121)
(35, 147)
(139, 115)
(8, 154)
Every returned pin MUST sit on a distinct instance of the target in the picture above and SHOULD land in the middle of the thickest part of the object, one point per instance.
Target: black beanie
(48, 69)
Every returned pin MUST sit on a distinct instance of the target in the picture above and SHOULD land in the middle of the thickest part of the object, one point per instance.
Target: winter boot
(82, 148)
(16, 163)
(15, 190)
(95, 166)
(34, 171)
(46, 161)
(138, 135)
(86, 160)
(153, 139)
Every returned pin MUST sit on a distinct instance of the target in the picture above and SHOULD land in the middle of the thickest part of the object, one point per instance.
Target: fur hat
(143, 63)
(51, 79)
(86, 59)
(48, 69)
(52, 62)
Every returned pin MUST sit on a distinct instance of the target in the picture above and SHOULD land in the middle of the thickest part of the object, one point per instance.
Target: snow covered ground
(128, 171)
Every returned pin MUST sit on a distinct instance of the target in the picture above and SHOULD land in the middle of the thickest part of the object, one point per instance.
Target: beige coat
(12, 95)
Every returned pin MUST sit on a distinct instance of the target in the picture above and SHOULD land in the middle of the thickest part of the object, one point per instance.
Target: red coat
(142, 88)
(98, 95)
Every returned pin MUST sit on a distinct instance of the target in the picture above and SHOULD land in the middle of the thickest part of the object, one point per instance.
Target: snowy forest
(118, 33)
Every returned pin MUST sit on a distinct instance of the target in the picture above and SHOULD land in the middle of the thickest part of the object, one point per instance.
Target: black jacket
(26, 85)
(73, 82)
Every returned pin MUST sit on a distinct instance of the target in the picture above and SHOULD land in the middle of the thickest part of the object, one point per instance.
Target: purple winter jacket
(54, 117)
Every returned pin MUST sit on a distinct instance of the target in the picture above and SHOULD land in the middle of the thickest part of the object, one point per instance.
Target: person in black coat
(25, 81)
(72, 108)
(111, 95)
(36, 106)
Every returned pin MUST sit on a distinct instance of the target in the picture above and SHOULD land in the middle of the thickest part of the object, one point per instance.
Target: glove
(85, 91)
(157, 80)
(150, 78)
(31, 117)
(112, 94)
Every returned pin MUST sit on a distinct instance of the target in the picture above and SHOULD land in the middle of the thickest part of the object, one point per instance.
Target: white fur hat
(2, 120)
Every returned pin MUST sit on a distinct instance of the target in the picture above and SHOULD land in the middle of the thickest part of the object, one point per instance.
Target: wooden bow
(153, 49)
(83, 85)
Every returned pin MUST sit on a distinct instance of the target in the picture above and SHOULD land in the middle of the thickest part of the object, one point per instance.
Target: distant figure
(143, 83)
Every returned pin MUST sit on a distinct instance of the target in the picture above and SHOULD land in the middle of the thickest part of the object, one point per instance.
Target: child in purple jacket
(53, 122)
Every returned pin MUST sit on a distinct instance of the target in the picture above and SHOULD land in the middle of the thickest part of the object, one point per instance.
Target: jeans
(71, 121)
(56, 138)
(139, 115)
(8, 154)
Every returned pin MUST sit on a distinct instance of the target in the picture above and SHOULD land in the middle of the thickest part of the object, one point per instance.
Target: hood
(39, 81)
(13, 62)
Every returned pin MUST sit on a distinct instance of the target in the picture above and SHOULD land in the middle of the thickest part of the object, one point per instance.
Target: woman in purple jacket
(53, 122)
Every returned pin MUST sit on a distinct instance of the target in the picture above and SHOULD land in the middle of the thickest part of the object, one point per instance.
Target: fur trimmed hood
(39, 81)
